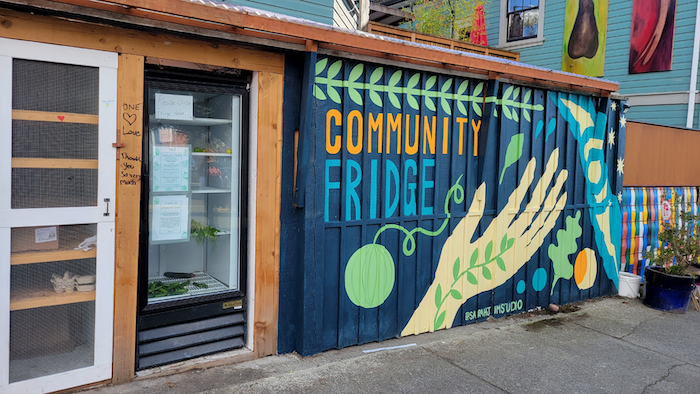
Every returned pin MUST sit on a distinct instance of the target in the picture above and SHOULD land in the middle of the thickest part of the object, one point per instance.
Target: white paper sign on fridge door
(170, 219)
(174, 106)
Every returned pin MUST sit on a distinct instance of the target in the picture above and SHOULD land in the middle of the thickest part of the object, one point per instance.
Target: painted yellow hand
(467, 268)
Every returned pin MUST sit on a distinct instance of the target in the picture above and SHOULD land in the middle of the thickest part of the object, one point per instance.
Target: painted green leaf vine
(472, 277)
(431, 93)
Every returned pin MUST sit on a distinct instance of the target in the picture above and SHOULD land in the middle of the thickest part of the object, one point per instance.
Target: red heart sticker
(61, 117)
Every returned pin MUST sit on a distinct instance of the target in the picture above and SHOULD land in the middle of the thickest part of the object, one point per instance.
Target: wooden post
(268, 200)
(363, 18)
(127, 214)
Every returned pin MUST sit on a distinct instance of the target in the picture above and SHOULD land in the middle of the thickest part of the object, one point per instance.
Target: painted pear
(584, 36)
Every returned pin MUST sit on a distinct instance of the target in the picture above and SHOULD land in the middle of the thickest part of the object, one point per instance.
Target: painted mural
(446, 200)
(651, 40)
(643, 217)
(585, 30)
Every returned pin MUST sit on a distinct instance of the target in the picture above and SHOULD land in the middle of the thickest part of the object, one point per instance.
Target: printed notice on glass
(171, 169)
(174, 106)
(170, 219)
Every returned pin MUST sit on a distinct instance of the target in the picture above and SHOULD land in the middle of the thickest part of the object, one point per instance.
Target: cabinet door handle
(107, 207)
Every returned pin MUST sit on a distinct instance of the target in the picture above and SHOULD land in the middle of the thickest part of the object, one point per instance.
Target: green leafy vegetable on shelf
(200, 232)
(160, 289)
(200, 285)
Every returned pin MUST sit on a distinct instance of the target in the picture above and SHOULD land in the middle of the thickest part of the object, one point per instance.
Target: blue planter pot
(666, 292)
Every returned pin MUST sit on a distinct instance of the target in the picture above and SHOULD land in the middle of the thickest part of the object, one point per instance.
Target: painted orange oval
(585, 269)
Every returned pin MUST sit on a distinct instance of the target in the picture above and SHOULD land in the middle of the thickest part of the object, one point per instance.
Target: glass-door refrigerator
(192, 296)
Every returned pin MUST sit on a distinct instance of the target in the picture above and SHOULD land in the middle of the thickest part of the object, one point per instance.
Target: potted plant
(670, 279)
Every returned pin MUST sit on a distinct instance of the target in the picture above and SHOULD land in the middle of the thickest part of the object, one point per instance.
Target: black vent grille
(173, 336)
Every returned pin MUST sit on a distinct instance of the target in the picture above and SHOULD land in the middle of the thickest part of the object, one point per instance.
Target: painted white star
(611, 138)
(613, 105)
(619, 197)
(623, 121)
(620, 166)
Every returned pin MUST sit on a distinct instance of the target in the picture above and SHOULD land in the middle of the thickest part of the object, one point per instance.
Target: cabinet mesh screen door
(61, 256)
(54, 164)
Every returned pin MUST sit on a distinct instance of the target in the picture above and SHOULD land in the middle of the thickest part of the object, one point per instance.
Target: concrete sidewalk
(610, 345)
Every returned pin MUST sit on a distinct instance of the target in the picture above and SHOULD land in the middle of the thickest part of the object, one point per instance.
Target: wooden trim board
(23, 26)
(127, 214)
(268, 205)
(242, 22)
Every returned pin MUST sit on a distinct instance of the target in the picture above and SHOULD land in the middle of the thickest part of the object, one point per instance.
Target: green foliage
(330, 87)
(513, 152)
(445, 18)
(680, 243)
(457, 273)
(200, 232)
(566, 245)
(160, 289)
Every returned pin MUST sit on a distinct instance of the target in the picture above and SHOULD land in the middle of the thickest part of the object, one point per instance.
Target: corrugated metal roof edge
(306, 22)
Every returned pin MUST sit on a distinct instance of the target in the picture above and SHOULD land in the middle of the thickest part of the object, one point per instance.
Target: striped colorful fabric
(642, 220)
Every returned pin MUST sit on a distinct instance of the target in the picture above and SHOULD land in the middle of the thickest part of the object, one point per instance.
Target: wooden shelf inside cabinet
(59, 117)
(211, 154)
(193, 122)
(33, 162)
(207, 190)
(56, 255)
(36, 299)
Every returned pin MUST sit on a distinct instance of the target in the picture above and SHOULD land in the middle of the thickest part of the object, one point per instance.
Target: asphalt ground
(608, 345)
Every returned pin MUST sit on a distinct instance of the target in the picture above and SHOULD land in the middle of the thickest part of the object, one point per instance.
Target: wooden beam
(127, 214)
(391, 11)
(219, 13)
(268, 203)
(58, 117)
(23, 26)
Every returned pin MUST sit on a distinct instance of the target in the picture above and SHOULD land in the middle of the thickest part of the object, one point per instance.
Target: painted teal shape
(540, 126)
(539, 279)
(551, 126)
(604, 207)
(521, 287)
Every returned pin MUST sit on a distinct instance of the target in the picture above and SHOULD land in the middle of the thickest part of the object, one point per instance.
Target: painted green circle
(369, 276)
(521, 287)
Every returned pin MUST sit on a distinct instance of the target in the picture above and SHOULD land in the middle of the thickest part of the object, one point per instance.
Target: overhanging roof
(277, 27)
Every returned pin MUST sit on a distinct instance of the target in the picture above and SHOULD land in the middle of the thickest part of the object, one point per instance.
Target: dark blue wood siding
(499, 190)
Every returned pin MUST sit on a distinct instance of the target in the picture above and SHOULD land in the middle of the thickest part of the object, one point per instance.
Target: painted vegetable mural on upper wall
(446, 200)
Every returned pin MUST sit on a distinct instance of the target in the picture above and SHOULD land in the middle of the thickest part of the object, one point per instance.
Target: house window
(521, 23)
(522, 18)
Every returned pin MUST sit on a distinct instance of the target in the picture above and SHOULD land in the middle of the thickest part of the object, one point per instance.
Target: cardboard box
(33, 239)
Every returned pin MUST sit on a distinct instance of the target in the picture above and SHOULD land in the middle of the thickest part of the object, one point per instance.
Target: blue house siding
(549, 55)
(315, 10)
(669, 115)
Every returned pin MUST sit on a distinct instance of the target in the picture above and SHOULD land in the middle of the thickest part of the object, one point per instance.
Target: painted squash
(369, 276)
